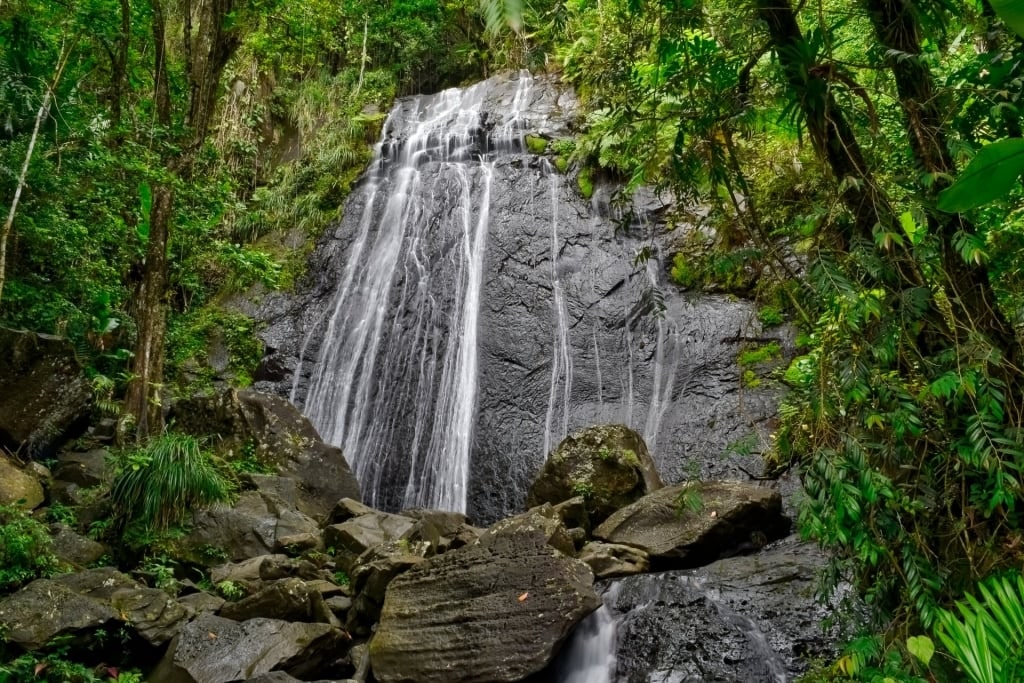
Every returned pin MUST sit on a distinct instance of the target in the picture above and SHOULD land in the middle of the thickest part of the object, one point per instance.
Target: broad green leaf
(1012, 13)
(145, 206)
(909, 226)
(921, 647)
(990, 175)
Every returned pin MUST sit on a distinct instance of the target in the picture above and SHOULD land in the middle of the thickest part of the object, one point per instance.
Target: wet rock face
(490, 612)
(567, 331)
(739, 620)
(44, 397)
(608, 465)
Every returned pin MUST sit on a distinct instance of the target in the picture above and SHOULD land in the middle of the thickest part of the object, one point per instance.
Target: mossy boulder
(18, 486)
(607, 465)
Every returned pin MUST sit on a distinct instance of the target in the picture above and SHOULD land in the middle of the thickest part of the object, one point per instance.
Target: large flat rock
(484, 613)
(216, 650)
(692, 524)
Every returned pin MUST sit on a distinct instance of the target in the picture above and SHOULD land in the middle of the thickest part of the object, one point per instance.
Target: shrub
(26, 549)
(155, 487)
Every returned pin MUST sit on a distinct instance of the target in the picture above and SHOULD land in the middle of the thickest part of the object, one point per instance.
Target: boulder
(286, 599)
(345, 509)
(44, 397)
(246, 572)
(75, 549)
(280, 436)
(87, 469)
(216, 650)
(86, 600)
(352, 538)
(19, 486)
(692, 524)
(372, 572)
(257, 524)
(486, 612)
(542, 519)
(608, 560)
(608, 465)
(202, 602)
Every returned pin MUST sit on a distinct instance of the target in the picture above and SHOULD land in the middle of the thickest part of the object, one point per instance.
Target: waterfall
(395, 380)
(561, 361)
(472, 308)
(589, 656)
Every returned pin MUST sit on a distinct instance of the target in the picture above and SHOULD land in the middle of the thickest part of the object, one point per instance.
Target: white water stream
(415, 268)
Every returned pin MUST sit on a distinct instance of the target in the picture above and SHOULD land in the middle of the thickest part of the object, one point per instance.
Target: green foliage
(770, 316)
(986, 635)
(61, 513)
(991, 175)
(156, 487)
(249, 461)
(26, 549)
(585, 183)
(341, 578)
(760, 354)
(229, 590)
(162, 570)
(690, 501)
(583, 488)
(197, 335)
(536, 144)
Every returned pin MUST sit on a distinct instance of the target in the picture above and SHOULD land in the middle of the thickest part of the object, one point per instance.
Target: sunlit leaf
(990, 175)
(921, 647)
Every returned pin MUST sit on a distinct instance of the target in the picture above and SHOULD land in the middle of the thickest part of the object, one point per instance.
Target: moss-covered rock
(607, 465)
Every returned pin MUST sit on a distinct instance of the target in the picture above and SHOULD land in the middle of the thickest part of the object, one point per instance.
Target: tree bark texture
(143, 401)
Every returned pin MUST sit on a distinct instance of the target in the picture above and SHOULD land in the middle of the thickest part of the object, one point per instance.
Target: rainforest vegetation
(853, 165)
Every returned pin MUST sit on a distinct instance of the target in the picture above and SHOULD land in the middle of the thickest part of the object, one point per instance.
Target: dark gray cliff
(565, 331)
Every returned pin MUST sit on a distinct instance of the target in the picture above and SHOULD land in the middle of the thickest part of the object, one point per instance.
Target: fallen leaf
(523, 596)
(714, 513)
(211, 635)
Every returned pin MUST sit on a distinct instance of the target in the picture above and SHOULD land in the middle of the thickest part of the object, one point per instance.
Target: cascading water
(591, 655)
(415, 267)
(472, 308)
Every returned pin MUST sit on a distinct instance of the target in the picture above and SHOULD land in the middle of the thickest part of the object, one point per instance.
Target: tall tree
(211, 34)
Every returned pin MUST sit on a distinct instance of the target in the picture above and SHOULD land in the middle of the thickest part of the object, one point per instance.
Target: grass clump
(155, 487)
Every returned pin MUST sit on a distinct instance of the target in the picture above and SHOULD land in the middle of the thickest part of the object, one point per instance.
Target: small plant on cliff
(26, 550)
(230, 590)
(157, 486)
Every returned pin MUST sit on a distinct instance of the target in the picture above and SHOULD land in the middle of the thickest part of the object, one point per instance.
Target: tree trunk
(143, 400)
(143, 403)
(830, 132)
(208, 53)
(975, 305)
(41, 114)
